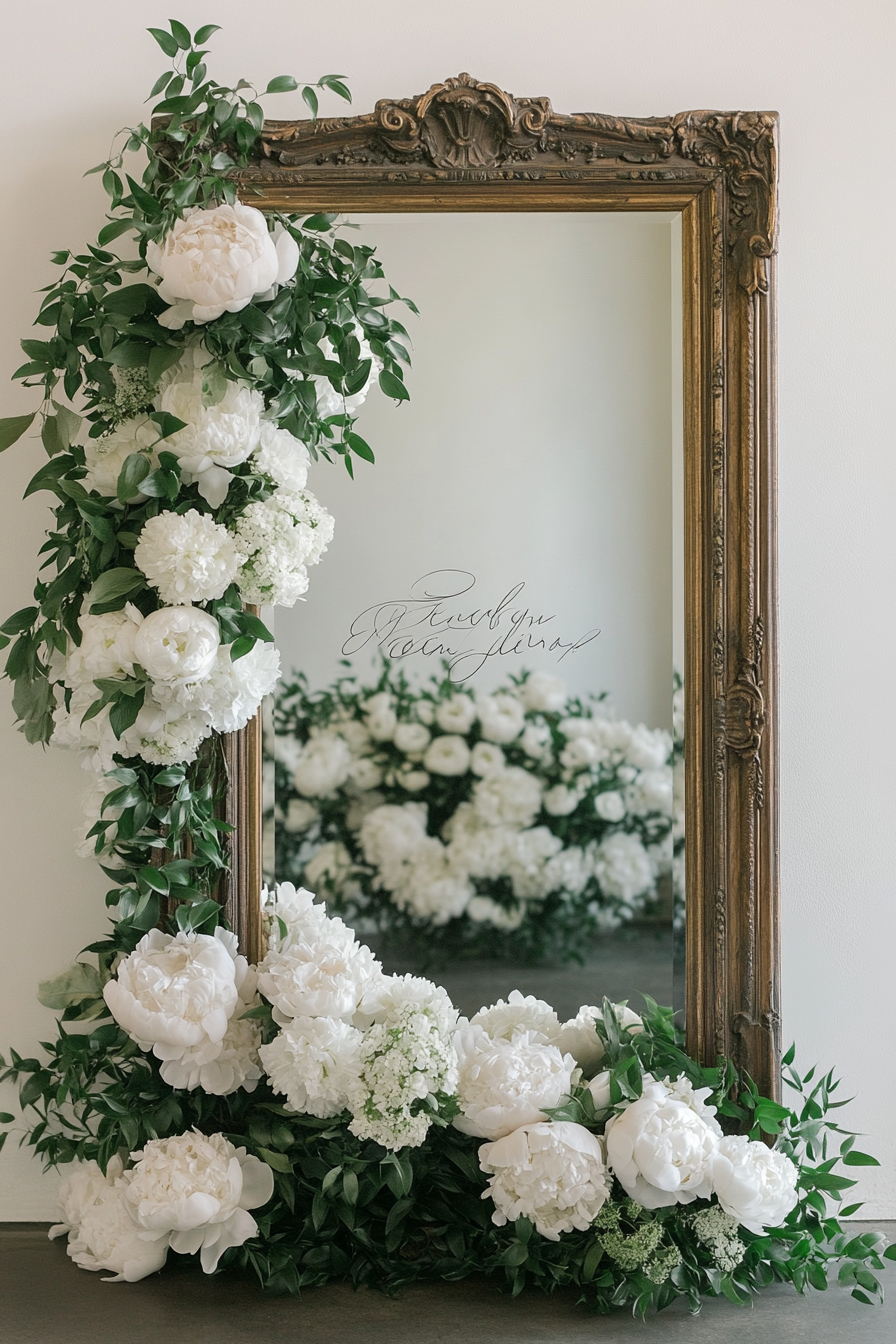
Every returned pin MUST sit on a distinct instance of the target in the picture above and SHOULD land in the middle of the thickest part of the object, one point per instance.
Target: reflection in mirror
(494, 793)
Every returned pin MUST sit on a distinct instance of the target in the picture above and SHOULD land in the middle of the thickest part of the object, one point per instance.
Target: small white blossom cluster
(191, 1193)
(352, 1039)
(553, 799)
(278, 539)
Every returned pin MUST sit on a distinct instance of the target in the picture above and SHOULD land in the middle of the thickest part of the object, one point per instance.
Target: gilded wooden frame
(465, 145)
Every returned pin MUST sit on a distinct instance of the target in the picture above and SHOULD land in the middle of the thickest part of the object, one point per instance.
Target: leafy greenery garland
(348, 1209)
(107, 350)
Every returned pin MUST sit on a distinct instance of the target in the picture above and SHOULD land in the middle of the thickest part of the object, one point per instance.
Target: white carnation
(505, 1084)
(198, 1188)
(101, 1232)
(281, 457)
(277, 539)
(187, 557)
(661, 1148)
(553, 1174)
(501, 717)
(323, 766)
(315, 1062)
(104, 457)
(447, 754)
(754, 1184)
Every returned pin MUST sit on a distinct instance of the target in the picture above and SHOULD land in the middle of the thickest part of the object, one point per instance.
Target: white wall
(76, 72)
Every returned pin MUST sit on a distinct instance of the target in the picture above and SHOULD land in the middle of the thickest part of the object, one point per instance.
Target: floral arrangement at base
(515, 823)
(314, 1119)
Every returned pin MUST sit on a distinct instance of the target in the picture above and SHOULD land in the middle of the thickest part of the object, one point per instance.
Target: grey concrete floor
(46, 1299)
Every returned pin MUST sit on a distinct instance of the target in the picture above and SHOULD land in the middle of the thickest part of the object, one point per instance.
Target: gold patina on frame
(465, 145)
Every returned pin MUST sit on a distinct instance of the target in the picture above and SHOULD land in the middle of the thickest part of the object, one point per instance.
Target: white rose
(187, 557)
(198, 1188)
(610, 806)
(175, 994)
(754, 1184)
(661, 1148)
(177, 644)
(553, 1174)
(504, 1020)
(319, 971)
(104, 457)
(281, 456)
(501, 717)
(447, 755)
(411, 737)
(456, 715)
(543, 693)
(560, 801)
(101, 1232)
(216, 261)
(315, 1062)
(323, 766)
(505, 1084)
(486, 759)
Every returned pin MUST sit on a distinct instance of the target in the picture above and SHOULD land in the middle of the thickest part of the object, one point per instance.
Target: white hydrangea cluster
(553, 798)
(352, 1039)
(278, 538)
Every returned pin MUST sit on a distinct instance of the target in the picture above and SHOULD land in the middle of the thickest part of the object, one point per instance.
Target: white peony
(648, 748)
(175, 993)
(487, 759)
(536, 740)
(300, 816)
(661, 1147)
(426, 882)
(411, 738)
(106, 648)
(238, 688)
(578, 1037)
(651, 792)
(456, 715)
(331, 866)
(623, 868)
(320, 970)
(389, 836)
(501, 717)
(187, 557)
(216, 261)
(315, 1062)
(510, 798)
(754, 1184)
(553, 1174)
(483, 910)
(281, 456)
(331, 402)
(505, 1084)
(380, 718)
(412, 780)
(447, 754)
(277, 539)
(104, 457)
(504, 1020)
(165, 734)
(323, 766)
(543, 693)
(177, 644)
(560, 801)
(198, 1188)
(610, 806)
(387, 995)
(236, 1066)
(101, 1232)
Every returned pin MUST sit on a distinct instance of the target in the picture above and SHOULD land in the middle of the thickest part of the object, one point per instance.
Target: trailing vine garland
(312, 1117)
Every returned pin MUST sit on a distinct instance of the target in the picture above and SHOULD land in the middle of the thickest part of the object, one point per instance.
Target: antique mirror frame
(469, 146)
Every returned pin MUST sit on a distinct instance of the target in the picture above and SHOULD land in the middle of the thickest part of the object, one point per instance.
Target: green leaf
(160, 83)
(50, 437)
(115, 583)
(310, 97)
(359, 446)
(335, 84)
(12, 428)
(257, 322)
(279, 1161)
(73, 986)
(240, 647)
(281, 84)
(130, 355)
(131, 300)
(23, 619)
(318, 223)
(856, 1159)
(202, 35)
(67, 424)
(393, 386)
(516, 1254)
(123, 713)
(165, 41)
(249, 624)
(167, 424)
(135, 469)
(109, 232)
(181, 34)
(161, 358)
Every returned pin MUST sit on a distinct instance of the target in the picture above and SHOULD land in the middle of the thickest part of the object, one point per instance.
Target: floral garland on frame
(312, 1117)
(441, 818)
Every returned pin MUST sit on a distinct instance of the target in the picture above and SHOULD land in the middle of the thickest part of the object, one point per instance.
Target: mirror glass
(524, 516)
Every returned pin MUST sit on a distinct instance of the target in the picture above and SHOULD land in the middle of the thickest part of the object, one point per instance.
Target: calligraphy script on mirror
(437, 620)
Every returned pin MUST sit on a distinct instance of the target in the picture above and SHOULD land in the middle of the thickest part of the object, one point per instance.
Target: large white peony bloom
(623, 868)
(277, 539)
(390, 835)
(187, 557)
(323, 766)
(216, 261)
(101, 1232)
(320, 970)
(164, 734)
(503, 1021)
(505, 1084)
(553, 1174)
(282, 457)
(176, 993)
(177, 644)
(447, 754)
(543, 693)
(105, 457)
(236, 1066)
(756, 1185)
(610, 805)
(512, 797)
(457, 714)
(198, 1188)
(662, 1146)
(315, 1062)
(106, 648)
(239, 687)
(501, 717)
